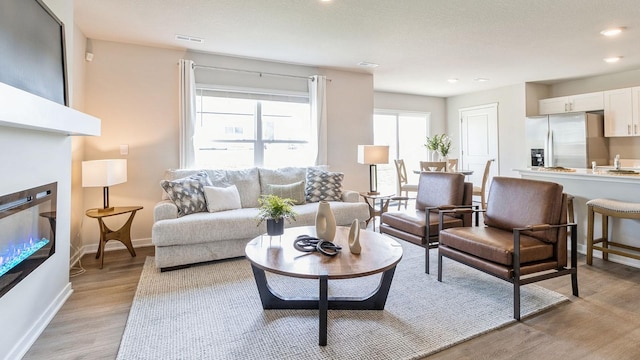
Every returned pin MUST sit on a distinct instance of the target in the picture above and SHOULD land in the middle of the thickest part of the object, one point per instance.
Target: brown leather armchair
(436, 191)
(524, 239)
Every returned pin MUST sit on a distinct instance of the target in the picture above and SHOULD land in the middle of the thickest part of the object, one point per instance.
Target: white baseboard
(25, 343)
(110, 246)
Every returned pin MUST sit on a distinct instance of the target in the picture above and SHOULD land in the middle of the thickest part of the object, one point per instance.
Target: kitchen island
(585, 185)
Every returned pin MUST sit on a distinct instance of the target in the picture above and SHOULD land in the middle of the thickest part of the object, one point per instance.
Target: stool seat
(615, 206)
(609, 208)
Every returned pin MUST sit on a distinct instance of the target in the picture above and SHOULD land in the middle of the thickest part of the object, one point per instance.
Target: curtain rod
(260, 73)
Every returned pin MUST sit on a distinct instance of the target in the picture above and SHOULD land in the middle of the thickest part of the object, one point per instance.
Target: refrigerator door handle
(549, 153)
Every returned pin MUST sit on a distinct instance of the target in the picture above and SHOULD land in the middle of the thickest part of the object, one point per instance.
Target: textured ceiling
(419, 44)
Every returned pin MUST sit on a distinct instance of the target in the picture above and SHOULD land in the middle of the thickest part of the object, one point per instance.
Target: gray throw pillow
(295, 191)
(188, 192)
(323, 185)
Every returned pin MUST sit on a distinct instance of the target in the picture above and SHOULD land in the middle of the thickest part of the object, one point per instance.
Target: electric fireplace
(27, 232)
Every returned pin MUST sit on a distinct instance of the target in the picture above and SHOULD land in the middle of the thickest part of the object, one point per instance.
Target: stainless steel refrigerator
(571, 140)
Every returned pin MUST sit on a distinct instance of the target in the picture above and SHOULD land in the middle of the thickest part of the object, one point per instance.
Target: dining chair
(433, 165)
(481, 190)
(452, 165)
(403, 182)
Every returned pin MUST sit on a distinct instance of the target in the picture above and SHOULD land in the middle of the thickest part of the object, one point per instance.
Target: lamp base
(103, 210)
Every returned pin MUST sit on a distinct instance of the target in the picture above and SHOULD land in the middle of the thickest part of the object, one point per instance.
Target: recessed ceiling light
(481, 79)
(452, 80)
(192, 39)
(612, 59)
(368, 64)
(612, 31)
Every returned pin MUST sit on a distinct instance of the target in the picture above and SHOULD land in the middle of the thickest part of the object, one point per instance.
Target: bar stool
(607, 208)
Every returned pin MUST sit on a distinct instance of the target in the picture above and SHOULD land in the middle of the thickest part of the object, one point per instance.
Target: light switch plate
(124, 149)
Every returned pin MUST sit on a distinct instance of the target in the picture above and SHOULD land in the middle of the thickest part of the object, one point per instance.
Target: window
(405, 133)
(240, 130)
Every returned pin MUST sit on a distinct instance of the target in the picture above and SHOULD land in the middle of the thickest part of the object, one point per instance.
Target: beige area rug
(213, 311)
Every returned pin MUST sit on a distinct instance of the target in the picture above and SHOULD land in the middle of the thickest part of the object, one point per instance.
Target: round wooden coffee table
(379, 254)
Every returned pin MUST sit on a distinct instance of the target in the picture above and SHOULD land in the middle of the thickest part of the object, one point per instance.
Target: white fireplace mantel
(22, 109)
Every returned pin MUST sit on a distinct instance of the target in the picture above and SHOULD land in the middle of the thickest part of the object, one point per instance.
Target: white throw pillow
(220, 199)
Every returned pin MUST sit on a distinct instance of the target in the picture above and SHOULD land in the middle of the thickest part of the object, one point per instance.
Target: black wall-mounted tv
(32, 56)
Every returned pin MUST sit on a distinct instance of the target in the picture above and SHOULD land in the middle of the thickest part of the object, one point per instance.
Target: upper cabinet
(582, 102)
(621, 117)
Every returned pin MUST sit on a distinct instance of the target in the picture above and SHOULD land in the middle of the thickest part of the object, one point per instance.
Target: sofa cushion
(248, 183)
(188, 192)
(222, 198)
(293, 191)
(216, 176)
(323, 185)
(281, 176)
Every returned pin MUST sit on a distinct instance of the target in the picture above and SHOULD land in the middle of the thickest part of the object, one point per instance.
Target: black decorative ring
(328, 248)
(306, 243)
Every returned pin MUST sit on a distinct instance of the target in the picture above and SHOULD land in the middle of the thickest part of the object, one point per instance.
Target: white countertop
(586, 174)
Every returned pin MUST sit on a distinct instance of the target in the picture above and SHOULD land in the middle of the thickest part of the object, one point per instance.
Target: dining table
(463, 172)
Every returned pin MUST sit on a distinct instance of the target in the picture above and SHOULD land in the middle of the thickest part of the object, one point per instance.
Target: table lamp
(104, 173)
(373, 155)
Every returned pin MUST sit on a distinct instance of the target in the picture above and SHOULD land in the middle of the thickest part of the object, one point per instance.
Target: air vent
(367, 64)
(189, 39)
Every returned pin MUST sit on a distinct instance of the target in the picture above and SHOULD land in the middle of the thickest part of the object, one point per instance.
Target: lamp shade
(104, 172)
(373, 154)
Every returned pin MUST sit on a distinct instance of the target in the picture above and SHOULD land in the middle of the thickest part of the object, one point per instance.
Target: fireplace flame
(14, 256)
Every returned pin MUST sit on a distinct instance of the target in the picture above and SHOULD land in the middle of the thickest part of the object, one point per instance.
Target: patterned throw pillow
(188, 192)
(293, 191)
(323, 185)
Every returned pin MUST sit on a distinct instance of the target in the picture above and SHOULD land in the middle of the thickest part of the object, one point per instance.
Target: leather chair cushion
(439, 188)
(496, 245)
(413, 222)
(517, 203)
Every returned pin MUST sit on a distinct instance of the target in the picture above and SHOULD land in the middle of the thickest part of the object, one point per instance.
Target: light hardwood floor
(603, 323)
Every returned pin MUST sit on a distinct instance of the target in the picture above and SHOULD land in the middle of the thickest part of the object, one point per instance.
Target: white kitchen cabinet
(619, 117)
(581, 102)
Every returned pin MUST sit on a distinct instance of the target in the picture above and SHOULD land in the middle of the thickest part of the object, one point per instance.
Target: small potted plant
(275, 210)
(433, 144)
(444, 146)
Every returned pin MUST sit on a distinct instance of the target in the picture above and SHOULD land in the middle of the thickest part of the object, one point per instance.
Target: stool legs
(605, 236)
(590, 225)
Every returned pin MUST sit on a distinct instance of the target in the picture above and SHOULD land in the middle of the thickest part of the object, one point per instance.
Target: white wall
(43, 158)
(134, 90)
(435, 106)
(511, 123)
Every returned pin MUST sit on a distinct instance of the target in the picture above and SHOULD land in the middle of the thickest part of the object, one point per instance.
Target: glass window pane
(384, 133)
(412, 135)
(285, 121)
(286, 154)
(218, 155)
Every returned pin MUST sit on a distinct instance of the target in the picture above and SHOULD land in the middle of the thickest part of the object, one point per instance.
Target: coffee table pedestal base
(374, 301)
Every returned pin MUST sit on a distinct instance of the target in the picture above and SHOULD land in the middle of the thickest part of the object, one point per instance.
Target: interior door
(479, 140)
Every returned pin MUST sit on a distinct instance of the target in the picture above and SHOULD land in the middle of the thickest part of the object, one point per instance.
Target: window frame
(259, 96)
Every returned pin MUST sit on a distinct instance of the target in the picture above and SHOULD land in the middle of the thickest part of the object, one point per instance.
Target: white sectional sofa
(202, 236)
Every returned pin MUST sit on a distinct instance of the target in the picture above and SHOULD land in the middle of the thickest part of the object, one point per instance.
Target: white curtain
(317, 100)
(187, 114)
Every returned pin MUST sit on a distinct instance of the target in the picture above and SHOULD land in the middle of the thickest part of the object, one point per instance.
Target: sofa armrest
(350, 196)
(165, 210)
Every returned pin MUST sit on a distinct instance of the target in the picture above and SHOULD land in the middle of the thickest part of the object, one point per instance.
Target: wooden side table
(123, 234)
(371, 199)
